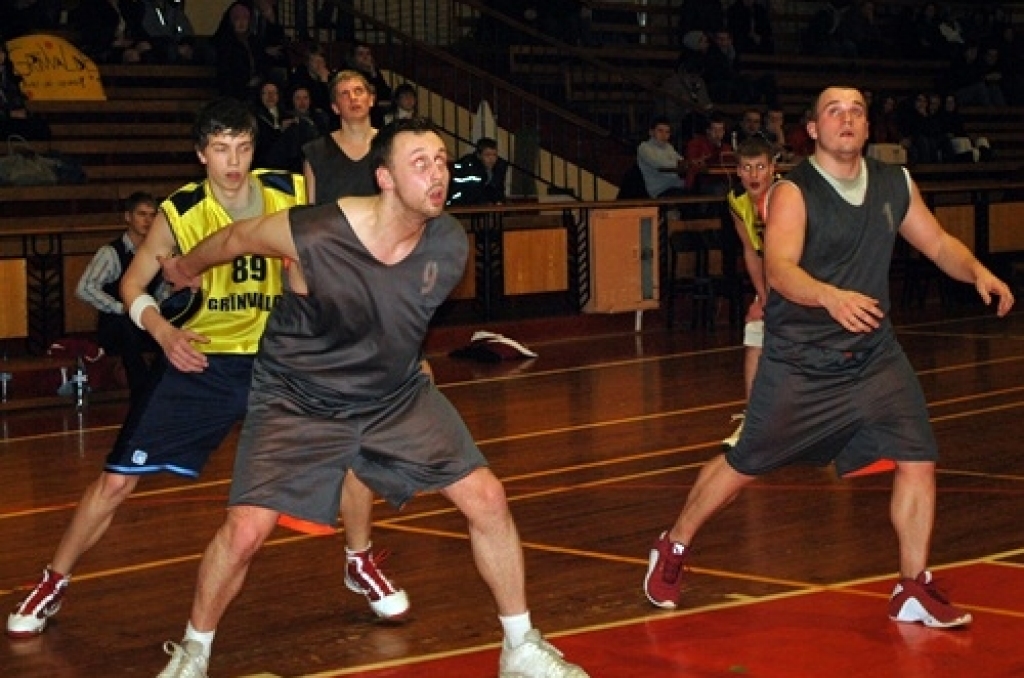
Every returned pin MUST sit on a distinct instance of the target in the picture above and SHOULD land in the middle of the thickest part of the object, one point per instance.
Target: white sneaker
(187, 660)
(731, 441)
(536, 658)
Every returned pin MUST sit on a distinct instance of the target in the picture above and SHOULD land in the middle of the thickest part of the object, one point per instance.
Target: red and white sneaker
(920, 600)
(29, 618)
(665, 572)
(363, 575)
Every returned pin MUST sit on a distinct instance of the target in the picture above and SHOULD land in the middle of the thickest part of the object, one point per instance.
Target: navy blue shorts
(815, 406)
(182, 417)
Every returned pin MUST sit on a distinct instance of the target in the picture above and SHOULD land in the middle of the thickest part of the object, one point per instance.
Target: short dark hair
(138, 198)
(660, 120)
(383, 144)
(222, 116)
(484, 143)
(753, 146)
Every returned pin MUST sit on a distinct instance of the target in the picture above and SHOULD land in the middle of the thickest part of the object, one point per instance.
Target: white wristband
(141, 303)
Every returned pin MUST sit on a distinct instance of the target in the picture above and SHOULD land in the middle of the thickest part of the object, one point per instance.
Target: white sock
(204, 638)
(516, 627)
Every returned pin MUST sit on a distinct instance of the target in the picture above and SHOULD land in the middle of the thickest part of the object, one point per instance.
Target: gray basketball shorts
(814, 406)
(293, 455)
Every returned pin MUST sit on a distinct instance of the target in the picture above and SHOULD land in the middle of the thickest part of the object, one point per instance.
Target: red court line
(825, 633)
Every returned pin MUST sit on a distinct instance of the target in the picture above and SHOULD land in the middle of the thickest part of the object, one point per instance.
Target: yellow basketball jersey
(238, 296)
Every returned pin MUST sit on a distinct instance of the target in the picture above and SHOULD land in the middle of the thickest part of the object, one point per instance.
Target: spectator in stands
(170, 33)
(660, 162)
(709, 150)
(686, 102)
(269, 118)
(315, 75)
(110, 31)
(361, 59)
(749, 22)
(403, 104)
(774, 130)
(241, 63)
(270, 35)
(883, 121)
(14, 116)
(478, 178)
(919, 131)
(822, 37)
(726, 82)
(859, 30)
(976, 81)
(100, 287)
(302, 124)
(704, 16)
(751, 124)
(957, 145)
(799, 140)
(925, 40)
(1011, 49)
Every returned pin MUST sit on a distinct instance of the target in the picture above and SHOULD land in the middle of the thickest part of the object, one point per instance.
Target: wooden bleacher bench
(114, 130)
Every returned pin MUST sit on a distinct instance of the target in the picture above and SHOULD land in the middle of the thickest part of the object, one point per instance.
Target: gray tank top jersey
(849, 246)
(337, 175)
(357, 335)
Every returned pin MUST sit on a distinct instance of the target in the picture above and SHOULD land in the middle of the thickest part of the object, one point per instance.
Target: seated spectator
(822, 37)
(749, 22)
(726, 82)
(270, 35)
(686, 102)
(269, 119)
(709, 150)
(403, 104)
(860, 31)
(799, 140)
(957, 144)
(976, 81)
(14, 116)
(919, 132)
(883, 121)
(241, 66)
(751, 124)
(660, 162)
(99, 287)
(301, 125)
(478, 178)
(924, 39)
(315, 75)
(704, 16)
(361, 59)
(110, 31)
(170, 33)
(774, 130)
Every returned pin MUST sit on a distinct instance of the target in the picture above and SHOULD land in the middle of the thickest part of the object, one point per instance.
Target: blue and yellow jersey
(744, 208)
(237, 297)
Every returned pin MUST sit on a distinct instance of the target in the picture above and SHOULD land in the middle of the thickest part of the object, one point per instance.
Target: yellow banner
(54, 70)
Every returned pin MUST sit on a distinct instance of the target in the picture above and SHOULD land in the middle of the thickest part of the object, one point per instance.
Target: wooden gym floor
(597, 440)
